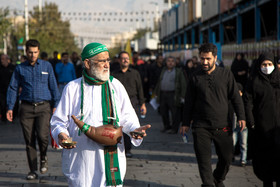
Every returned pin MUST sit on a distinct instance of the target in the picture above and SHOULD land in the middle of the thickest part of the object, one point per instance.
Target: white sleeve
(128, 116)
(60, 119)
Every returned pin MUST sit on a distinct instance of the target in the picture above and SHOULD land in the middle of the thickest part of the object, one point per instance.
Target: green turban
(93, 49)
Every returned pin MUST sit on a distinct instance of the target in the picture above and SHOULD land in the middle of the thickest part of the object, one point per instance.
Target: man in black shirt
(131, 80)
(209, 91)
(6, 72)
(154, 72)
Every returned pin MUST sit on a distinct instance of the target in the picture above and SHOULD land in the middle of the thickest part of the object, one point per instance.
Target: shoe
(31, 176)
(128, 154)
(44, 166)
(243, 164)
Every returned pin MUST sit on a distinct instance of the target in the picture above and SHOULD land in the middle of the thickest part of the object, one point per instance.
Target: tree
(115, 51)
(5, 25)
(140, 33)
(4, 21)
(50, 30)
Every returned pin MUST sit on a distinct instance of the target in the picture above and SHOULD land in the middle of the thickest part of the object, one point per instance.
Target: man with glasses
(131, 80)
(97, 99)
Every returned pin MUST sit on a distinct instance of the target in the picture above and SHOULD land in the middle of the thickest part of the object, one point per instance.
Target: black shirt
(207, 99)
(131, 80)
(5, 77)
(154, 74)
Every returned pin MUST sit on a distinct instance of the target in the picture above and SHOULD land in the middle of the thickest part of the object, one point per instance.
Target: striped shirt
(38, 84)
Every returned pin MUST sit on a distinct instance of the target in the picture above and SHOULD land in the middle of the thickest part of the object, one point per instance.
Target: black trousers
(222, 139)
(35, 122)
(167, 104)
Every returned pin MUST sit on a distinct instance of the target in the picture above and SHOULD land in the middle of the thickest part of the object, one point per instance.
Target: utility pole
(169, 4)
(40, 9)
(26, 20)
(5, 43)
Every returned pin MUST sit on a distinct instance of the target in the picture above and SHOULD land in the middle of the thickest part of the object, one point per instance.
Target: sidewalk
(162, 160)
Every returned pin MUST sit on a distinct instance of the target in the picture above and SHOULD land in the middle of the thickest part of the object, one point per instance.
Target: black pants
(167, 104)
(35, 122)
(202, 145)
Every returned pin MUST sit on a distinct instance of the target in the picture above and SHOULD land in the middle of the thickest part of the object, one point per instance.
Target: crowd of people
(236, 108)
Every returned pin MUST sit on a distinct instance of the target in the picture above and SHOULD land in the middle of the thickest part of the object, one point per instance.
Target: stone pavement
(162, 160)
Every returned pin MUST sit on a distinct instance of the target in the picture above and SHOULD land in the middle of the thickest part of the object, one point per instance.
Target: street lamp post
(169, 4)
(40, 9)
(26, 20)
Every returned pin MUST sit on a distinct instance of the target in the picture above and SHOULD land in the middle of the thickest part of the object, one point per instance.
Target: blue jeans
(243, 137)
(61, 87)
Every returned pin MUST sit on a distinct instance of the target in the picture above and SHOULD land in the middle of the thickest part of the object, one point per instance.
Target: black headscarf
(274, 77)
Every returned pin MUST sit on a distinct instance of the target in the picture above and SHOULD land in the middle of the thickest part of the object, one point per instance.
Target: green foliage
(4, 21)
(50, 30)
(115, 51)
(4, 25)
(140, 33)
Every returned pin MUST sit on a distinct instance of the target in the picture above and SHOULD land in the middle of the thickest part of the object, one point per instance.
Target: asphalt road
(162, 160)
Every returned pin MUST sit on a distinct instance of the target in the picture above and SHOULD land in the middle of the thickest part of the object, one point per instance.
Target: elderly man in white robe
(87, 104)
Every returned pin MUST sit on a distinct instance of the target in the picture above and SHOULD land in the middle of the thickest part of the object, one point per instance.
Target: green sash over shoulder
(109, 112)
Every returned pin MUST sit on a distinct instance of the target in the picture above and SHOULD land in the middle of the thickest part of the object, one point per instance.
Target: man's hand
(242, 124)
(184, 129)
(53, 110)
(141, 130)
(9, 115)
(143, 109)
(62, 137)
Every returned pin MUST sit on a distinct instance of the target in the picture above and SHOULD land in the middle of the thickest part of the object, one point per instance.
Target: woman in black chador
(262, 105)
(240, 68)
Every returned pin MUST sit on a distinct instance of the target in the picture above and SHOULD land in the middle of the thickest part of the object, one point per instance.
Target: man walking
(170, 91)
(39, 93)
(65, 71)
(6, 72)
(154, 72)
(98, 99)
(131, 80)
(208, 93)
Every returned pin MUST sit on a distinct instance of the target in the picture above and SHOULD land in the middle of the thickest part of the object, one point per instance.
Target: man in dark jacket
(262, 106)
(240, 69)
(170, 91)
(154, 72)
(6, 72)
(131, 80)
(209, 91)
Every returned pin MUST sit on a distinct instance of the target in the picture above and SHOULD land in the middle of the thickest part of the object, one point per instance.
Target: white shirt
(84, 165)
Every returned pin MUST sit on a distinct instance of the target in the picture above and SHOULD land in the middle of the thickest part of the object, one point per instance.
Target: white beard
(100, 75)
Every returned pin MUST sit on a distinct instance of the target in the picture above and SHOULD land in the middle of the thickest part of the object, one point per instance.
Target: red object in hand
(105, 134)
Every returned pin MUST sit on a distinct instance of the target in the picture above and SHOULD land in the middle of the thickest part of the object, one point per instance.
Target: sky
(111, 16)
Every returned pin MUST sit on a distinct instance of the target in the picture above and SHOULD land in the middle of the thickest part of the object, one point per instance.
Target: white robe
(84, 165)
